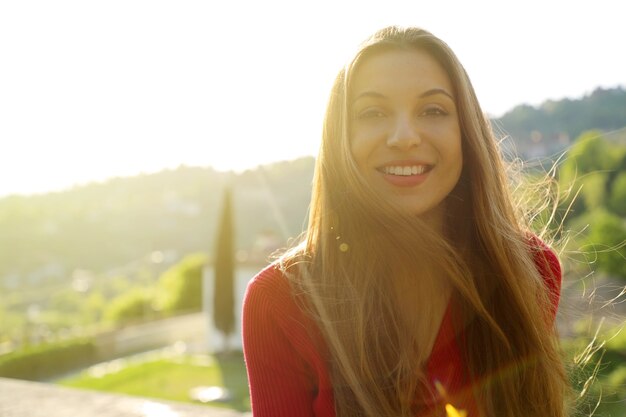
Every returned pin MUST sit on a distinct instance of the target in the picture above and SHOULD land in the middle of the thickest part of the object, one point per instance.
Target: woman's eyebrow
(427, 93)
(435, 91)
(372, 94)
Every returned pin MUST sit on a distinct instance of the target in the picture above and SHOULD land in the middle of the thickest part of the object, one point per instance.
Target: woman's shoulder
(271, 276)
(270, 289)
(271, 308)
(549, 267)
(545, 258)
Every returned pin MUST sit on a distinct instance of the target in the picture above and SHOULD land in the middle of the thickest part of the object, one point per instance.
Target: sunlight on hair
(591, 349)
(585, 357)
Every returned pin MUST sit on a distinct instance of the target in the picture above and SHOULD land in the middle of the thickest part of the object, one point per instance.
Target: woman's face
(404, 129)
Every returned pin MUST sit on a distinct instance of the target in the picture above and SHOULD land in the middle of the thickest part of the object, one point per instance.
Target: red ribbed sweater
(287, 368)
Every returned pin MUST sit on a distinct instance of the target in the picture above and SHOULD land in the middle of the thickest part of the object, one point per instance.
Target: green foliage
(617, 199)
(588, 170)
(608, 234)
(180, 287)
(591, 152)
(593, 190)
(617, 341)
(598, 373)
(224, 267)
(43, 361)
(617, 378)
(605, 241)
(130, 306)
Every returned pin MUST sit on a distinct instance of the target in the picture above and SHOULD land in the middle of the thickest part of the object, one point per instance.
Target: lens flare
(452, 411)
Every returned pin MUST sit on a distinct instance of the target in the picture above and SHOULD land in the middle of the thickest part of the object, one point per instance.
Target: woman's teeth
(404, 170)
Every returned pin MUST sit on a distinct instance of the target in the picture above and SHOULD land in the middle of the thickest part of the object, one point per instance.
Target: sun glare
(181, 84)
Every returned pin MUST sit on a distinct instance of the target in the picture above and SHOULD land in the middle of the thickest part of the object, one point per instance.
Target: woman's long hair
(356, 243)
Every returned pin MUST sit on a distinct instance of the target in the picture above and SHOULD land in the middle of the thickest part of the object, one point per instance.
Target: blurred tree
(593, 189)
(607, 238)
(224, 268)
(591, 152)
(587, 169)
(180, 287)
(617, 199)
(132, 305)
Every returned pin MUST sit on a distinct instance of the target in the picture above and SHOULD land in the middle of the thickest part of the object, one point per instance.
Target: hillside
(101, 226)
(548, 129)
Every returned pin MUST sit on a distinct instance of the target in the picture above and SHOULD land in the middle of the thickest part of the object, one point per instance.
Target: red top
(288, 373)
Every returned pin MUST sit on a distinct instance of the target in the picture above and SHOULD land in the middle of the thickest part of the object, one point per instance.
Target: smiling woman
(417, 289)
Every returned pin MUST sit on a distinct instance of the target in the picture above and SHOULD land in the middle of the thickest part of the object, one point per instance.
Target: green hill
(98, 227)
(548, 129)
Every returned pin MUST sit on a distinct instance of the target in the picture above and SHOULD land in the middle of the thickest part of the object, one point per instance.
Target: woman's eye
(434, 111)
(370, 114)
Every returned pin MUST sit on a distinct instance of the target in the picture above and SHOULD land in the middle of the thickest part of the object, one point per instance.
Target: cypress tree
(224, 271)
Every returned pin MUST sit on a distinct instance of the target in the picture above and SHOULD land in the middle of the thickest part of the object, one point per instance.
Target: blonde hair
(344, 264)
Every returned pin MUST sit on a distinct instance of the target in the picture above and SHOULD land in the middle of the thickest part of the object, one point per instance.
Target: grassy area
(597, 369)
(169, 377)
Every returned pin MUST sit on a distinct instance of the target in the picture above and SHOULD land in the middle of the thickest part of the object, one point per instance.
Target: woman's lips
(405, 174)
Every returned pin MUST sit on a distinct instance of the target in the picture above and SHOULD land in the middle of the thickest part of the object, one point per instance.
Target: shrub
(133, 305)
(617, 200)
(36, 363)
(603, 235)
(180, 287)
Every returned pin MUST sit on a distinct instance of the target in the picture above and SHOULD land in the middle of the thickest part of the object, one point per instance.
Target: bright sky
(92, 89)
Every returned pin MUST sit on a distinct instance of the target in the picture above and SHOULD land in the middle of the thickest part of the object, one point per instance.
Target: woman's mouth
(405, 175)
(405, 170)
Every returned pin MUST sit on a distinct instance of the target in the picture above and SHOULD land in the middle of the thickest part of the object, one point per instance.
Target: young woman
(417, 290)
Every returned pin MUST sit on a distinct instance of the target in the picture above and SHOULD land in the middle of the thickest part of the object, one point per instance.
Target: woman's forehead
(397, 69)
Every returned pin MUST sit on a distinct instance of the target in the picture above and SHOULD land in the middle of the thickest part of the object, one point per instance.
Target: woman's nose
(404, 134)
